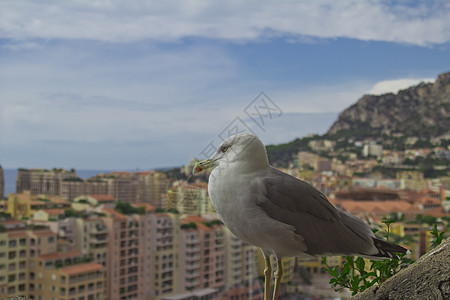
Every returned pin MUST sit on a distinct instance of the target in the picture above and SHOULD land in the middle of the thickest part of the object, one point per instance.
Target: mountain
(422, 111)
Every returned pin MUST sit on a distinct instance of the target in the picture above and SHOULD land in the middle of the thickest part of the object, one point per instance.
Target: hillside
(422, 111)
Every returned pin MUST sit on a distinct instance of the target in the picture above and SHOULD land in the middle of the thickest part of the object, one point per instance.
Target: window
(51, 239)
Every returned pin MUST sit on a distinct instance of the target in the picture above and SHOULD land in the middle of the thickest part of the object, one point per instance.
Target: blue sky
(149, 84)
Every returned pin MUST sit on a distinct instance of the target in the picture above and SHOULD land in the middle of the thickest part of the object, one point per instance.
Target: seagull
(280, 214)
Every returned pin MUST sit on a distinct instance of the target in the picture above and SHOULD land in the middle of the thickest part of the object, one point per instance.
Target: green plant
(357, 276)
(437, 237)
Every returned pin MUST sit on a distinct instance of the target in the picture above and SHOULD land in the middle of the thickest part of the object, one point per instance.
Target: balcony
(100, 229)
(192, 249)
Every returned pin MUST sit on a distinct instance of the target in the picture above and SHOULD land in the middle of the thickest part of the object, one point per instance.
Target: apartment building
(202, 254)
(124, 261)
(65, 276)
(190, 199)
(162, 244)
(19, 246)
(91, 239)
(143, 256)
(24, 205)
(151, 188)
(71, 189)
(42, 181)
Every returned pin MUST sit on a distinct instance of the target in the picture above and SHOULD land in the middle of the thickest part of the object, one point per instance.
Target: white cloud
(420, 23)
(395, 85)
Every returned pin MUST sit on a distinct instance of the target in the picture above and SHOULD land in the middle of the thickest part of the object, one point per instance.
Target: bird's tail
(386, 250)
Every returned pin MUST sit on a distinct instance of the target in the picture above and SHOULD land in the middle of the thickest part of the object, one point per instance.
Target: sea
(11, 176)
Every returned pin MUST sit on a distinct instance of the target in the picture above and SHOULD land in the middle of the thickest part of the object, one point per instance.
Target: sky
(124, 85)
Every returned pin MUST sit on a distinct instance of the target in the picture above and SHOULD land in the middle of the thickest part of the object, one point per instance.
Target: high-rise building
(161, 247)
(42, 181)
(19, 247)
(91, 239)
(65, 276)
(2, 183)
(202, 254)
(190, 199)
(143, 249)
(151, 187)
(31, 268)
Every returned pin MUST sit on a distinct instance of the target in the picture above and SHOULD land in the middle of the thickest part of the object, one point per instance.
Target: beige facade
(25, 205)
(151, 187)
(19, 247)
(190, 199)
(41, 181)
(64, 275)
(91, 239)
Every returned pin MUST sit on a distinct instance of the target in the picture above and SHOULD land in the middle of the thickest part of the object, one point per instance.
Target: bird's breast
(226, 195)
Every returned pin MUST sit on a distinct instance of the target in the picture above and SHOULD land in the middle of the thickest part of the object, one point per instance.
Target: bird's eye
(224, 149)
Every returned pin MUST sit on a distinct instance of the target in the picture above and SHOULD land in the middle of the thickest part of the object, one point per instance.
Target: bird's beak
(207, 164)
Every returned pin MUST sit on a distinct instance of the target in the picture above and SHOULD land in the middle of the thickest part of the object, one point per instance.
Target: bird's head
(242, 149)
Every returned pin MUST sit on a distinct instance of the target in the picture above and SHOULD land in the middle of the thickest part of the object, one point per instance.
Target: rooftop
(60, 255)
(43, 233)
(148, 207)
(54, 211)
(82, 268)
(114, 213)
(103, 198)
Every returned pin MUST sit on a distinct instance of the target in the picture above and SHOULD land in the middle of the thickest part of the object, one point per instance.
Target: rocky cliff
(422, 110)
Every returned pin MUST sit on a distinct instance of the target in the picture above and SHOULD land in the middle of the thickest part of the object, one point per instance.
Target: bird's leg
(267, 277)
(278, 275)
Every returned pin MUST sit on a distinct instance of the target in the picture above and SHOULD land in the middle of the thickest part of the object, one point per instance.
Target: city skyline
(110, 85)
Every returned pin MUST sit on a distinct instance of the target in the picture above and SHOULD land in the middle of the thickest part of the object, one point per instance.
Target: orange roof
(192, 218)
(437, 212)
(147, 206)
(81, 268)
(54, 211)
(114, 213)
(144, 173)
(14, 234)
(377, 206)
(197, 220)
(43, 233)
(103, 198)
(61, 255)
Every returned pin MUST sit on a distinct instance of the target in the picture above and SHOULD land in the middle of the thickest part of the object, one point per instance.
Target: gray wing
(290, 193)
(325, 229)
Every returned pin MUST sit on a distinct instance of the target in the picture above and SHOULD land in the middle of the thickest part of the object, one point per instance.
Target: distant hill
(422, 111)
